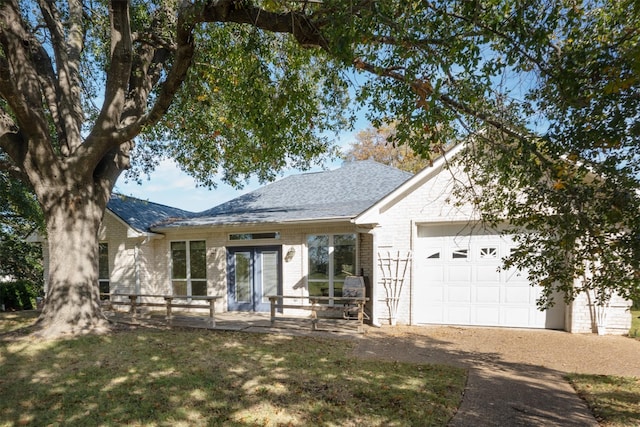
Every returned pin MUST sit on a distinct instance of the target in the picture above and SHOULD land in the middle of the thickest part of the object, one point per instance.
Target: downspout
(374, 280)
(412, 241)
(136, 263)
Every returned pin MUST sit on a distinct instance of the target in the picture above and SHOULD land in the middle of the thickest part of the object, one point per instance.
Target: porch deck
(238, 321)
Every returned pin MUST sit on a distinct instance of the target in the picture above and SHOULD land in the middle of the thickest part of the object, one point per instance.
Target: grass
(185, 377)
(635, 324)
(614, 401)
(13, 321)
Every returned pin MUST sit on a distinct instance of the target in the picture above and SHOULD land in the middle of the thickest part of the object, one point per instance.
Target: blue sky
(169, 186)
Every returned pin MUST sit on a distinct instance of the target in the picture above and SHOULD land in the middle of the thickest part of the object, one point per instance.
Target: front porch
(256, 322)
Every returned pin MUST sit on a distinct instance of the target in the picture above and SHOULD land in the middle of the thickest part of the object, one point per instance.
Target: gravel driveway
(516, 376)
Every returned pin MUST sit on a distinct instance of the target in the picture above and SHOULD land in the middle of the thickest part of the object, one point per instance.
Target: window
(331, 259)
(488, 253)
(435, 255)
(254, 236)
(103, 270)
(189, 268)
(460, 253)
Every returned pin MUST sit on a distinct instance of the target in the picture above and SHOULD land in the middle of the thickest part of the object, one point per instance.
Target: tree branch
(298, 24)
(117, 76)
(105, 135)
(69, 115)
(19, 75)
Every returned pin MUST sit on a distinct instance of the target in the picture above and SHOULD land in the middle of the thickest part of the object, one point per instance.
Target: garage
(458, 281)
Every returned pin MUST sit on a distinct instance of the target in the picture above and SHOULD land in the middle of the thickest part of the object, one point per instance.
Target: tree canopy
(240, 87)
(380, 145)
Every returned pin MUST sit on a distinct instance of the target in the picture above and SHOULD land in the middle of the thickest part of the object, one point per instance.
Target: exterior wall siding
(428, 203)
(122, 270)
(292, 239)
(583, 315)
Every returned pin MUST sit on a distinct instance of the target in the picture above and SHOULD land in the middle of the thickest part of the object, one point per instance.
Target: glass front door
(254, 273)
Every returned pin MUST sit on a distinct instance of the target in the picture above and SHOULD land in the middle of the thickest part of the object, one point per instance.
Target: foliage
(253, 103)
(21, 262)
(568, 172)
(615, 401)
(568, 222)
(153, 377)
(379, 145)
(19, 295)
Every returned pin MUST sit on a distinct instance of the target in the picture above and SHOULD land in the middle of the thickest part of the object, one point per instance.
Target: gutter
(253, 223)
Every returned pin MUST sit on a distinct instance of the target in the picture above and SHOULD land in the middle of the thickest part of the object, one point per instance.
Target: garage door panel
(459, 293)
(434, 273)
(459, 273)
(517, 316)
(433, 294)
(519, 295)
(487, 273)
(487, 316)
(485, 294)
(459, 315)
(465, 285)
(515, 276)
(433, 313)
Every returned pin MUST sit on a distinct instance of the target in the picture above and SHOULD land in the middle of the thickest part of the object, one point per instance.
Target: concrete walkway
(506, 396)
(498, 392)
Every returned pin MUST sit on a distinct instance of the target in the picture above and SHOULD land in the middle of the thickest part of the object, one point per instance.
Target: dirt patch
(467, 346)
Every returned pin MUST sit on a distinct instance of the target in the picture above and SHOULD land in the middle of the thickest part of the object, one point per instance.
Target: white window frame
(102, 280)
(331, 278)
(188, 279)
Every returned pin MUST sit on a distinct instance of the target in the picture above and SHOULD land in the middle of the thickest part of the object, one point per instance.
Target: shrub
(18, 295)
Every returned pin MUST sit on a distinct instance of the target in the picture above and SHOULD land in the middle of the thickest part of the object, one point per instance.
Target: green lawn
(635, 324)
(207, 378)
(13, 321)
(614, 401)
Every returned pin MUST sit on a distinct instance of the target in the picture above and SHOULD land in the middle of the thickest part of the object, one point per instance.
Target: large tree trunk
(72, 304)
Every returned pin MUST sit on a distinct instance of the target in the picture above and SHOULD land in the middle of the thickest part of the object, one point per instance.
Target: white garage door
(458, 281)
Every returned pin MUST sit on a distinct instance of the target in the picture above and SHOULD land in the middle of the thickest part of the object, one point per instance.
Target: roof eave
(304, 221)
(369, 216)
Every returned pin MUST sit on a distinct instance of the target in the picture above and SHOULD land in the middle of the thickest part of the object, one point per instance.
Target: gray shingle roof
(340, 193)
(141, 214)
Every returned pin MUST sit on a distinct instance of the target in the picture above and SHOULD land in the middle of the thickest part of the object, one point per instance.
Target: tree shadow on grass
(499, 391)
(199, 377)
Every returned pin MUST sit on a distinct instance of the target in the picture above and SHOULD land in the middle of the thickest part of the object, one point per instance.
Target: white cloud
(168, 185)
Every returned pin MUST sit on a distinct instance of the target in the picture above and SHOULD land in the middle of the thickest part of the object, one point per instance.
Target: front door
(254, 273)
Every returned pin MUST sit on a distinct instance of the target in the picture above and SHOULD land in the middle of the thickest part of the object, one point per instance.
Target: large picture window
(332, 257)
(189, 268)
(103, 270)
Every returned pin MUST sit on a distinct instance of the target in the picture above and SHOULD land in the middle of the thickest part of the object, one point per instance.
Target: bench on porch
(134, 302)
(352, 308)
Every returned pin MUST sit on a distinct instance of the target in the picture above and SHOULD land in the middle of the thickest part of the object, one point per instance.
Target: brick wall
(583, 314)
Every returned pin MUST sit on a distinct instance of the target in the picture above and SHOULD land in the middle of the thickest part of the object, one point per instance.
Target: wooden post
(273, 300)
(168, 301)
(132, 310)
(314, 314)
(212, 312)
(360, 316)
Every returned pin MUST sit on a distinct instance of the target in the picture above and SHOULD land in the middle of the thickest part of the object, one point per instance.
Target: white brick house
(303, 234)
